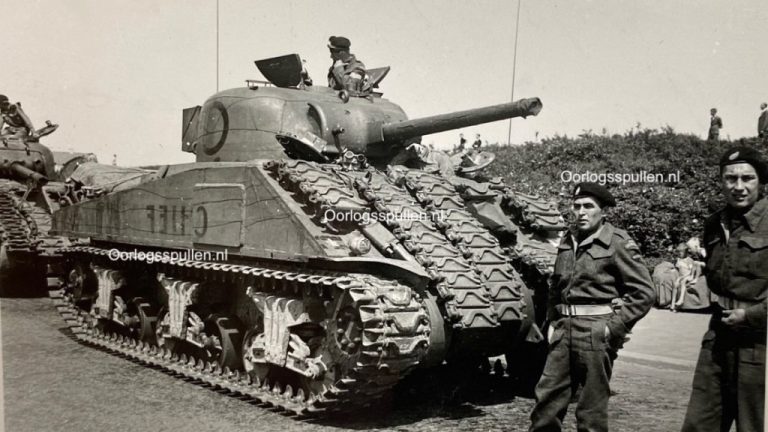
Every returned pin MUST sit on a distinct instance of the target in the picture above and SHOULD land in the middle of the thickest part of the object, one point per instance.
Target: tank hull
(440, 274)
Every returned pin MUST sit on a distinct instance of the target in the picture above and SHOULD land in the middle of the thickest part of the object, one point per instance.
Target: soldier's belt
(584, 310)
(730, 303)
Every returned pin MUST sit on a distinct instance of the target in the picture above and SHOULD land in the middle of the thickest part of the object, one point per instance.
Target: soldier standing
(477, 143)
(18, 123)
(762, 122)
(729, 382)
(462, 144)
(346, 72)
(596, 265)
(715, 124)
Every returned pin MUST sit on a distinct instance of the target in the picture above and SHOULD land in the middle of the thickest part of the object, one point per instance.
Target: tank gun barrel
(440, 123)
(25, 173)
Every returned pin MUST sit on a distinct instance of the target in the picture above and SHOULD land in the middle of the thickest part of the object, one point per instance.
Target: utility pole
(217, 46)
(514, 70)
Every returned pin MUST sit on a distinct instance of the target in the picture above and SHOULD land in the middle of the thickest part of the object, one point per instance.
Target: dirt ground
(52, 383)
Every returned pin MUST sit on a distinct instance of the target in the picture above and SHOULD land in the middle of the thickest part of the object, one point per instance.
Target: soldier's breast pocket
(753, 254)
(601, 260)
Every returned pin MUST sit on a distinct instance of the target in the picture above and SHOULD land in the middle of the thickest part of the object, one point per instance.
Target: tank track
(537, 219)
(457, 278)
(531, 211)
(504, 286)
(18, 228)
(395, 335)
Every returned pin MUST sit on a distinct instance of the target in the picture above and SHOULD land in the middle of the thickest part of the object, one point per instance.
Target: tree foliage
(657, 215)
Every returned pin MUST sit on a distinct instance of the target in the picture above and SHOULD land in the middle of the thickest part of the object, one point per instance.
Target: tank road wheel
(162, 333)
(217, 339)
(336, 352)
(312, 356)
(144, 320)
(253, 351)
(223, 342)
(81, 285)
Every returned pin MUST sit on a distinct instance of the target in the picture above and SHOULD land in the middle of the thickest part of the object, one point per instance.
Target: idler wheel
(81, 285)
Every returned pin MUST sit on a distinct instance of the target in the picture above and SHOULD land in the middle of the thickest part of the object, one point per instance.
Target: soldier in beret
(596, 265)
(346, 72)
(729, 382)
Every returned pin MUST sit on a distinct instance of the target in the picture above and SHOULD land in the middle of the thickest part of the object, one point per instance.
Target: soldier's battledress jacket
(339, 73)
(737, 259)
(14, 117)
(605, 266)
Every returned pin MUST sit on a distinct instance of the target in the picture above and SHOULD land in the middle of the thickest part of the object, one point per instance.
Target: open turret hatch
(286, 71)
(283, 71)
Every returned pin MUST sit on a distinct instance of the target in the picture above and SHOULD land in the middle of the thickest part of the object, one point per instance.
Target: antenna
(514, 70)
(217, 46)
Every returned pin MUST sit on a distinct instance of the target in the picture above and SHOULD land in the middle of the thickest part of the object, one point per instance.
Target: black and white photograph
(404, 215)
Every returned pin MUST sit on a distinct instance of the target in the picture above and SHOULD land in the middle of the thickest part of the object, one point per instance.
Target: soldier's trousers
(579, 355)
(729, 382)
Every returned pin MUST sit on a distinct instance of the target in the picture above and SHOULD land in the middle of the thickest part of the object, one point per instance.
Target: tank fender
(407, 272)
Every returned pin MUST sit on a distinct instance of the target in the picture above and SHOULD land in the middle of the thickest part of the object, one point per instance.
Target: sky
(115, 75)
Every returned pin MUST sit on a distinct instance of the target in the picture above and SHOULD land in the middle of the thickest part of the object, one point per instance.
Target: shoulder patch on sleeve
(633, 249)
(630, 244)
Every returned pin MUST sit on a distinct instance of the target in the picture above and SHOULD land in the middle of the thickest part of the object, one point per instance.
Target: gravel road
(52, 383)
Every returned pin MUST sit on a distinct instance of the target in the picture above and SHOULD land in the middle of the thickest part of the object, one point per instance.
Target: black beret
(596, 191)
(3, 98)
(339, 43)
(748, 155)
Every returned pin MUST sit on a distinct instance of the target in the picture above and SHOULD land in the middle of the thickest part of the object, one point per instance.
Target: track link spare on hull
(363, 337)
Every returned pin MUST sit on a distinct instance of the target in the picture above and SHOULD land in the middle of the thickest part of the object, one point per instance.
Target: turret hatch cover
(283, 71)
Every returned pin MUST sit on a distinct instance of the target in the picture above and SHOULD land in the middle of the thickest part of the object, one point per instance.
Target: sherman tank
(28, 177)
(301, 260)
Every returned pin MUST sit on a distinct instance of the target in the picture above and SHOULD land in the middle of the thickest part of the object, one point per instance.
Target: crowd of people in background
(716, 123)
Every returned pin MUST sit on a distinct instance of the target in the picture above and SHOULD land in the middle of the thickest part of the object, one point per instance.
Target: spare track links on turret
(392, 338)
(468, 269)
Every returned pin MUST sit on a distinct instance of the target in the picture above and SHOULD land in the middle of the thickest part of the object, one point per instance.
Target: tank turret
(23, 158)
(269, 119)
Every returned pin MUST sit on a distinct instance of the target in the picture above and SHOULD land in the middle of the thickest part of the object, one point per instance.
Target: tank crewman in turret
(596, 265)
(346, 72)
(13, 118)
(729, 381)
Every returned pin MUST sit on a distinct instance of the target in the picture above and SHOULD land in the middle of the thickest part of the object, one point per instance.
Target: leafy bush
(657, 215)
